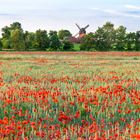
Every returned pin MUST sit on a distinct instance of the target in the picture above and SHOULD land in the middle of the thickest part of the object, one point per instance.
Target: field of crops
(69, 96)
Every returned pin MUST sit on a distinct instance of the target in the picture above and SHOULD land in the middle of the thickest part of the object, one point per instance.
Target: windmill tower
(82, 31)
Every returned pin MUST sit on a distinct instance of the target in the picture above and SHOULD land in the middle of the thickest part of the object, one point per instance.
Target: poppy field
(69, 96)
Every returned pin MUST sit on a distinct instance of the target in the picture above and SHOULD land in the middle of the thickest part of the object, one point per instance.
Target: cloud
(133, 7)
(6, 14)
(117, 13)
(121, 13)
(133, 12)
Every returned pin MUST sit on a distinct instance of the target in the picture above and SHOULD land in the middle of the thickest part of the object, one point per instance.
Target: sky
(63, 14)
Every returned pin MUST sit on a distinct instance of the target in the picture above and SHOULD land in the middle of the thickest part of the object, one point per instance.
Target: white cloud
(117, 13)
(133, 7)
(121, 13)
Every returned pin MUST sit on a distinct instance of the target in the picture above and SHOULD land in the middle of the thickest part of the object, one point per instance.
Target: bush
(0, 45)
(68, 46)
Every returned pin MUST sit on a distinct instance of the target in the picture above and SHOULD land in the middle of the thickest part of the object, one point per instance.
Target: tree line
(14, 37)
(105, 38)
(109, 38)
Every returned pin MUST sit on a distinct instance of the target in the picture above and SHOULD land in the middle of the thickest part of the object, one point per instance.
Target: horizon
(57, 15)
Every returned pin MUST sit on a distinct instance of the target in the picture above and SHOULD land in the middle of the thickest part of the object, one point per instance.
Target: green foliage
(15, 25)
(54, 42)
(62, 34)
(120, 38)
(6, 37)
(108, 38)
(13, 37)
(29, 40)
(0, 45)
(67, 46)
(5, 32)
(6, 43)
(17, 39)
(130, 41)
(88, 42)
(41, 40)
(76, 47)
(137, 41)
(105, 38)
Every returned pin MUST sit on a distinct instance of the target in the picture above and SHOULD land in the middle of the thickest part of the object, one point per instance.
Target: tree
(105, 37)
(17, 39)
(8, 32)
(120, 39)
(130, 41)
(6, 43)
(54, 42)
(6, 37)
(62, 34)
(0, 45)
(15, 25)
(88, 42)
(67, 46)
(41, 40)
(137, 40)
(29, 38)
(5, 32)
(100, 41)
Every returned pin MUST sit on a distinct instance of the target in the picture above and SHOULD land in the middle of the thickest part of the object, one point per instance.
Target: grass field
(76, 47)
(69, 96)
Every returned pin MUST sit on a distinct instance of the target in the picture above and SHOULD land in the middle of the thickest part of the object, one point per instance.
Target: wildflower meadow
(69, 96)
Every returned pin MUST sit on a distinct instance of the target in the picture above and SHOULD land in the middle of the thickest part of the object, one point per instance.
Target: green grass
(76, 47)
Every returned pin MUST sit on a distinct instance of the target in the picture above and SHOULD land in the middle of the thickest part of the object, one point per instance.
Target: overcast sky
(63, 14)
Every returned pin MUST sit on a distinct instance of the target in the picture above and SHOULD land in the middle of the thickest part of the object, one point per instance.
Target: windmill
(82, 31)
